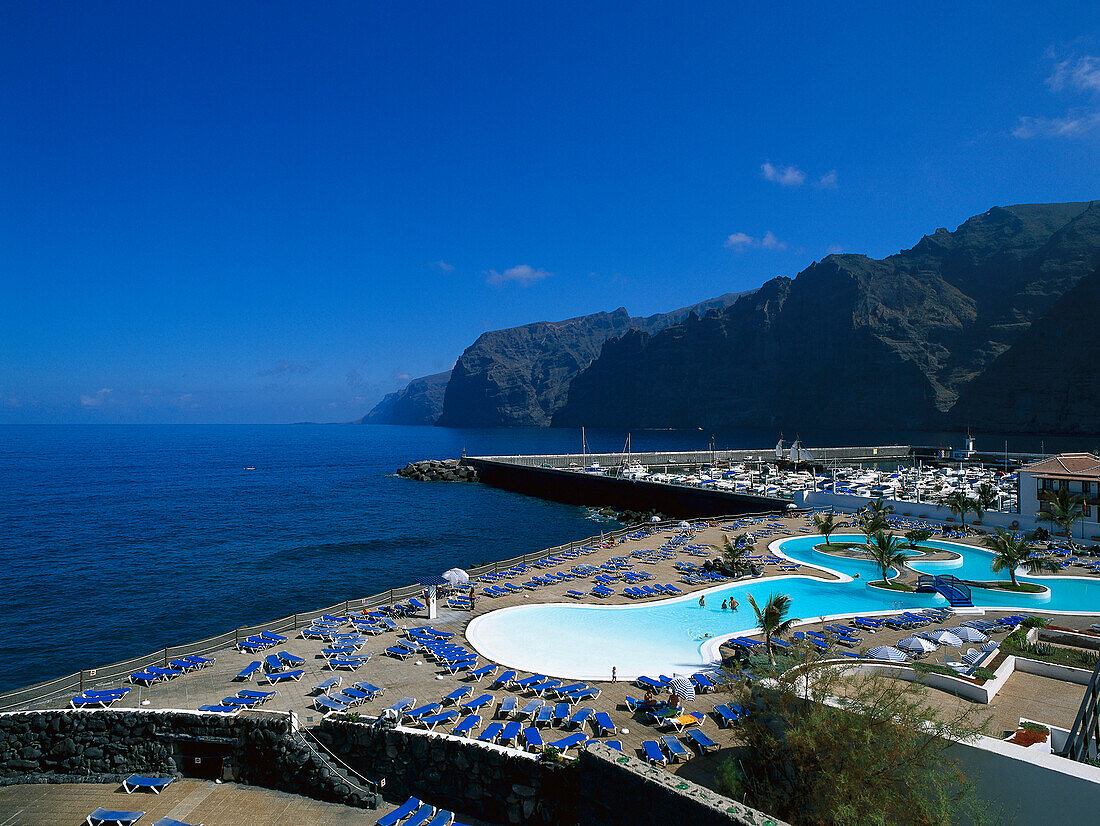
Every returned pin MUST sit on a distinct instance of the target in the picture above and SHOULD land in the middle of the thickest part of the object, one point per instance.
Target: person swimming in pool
(702, 602)
(724, 606)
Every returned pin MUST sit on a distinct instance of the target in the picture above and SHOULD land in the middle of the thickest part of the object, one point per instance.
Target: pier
(563, 478)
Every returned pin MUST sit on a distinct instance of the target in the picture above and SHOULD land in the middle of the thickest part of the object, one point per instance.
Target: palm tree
(987, 497)
(960, 504)
(827, 524)
(734, 552)
(772, 619)
(1063, 510)
(886, 550)
(870, 524)
(1011, 552)
(879, 508)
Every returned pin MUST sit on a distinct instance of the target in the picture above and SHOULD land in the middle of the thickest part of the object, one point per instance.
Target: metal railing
(71, 684)
(1083, 742)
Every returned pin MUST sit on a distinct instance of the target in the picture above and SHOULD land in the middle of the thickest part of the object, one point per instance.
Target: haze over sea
(122, 539)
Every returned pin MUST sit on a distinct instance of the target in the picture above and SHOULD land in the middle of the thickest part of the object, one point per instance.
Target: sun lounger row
(655, 752)
(112, 817)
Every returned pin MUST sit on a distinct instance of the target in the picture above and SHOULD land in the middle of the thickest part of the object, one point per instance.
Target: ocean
(122, 539)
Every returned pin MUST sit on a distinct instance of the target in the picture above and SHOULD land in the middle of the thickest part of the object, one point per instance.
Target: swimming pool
(676, 635)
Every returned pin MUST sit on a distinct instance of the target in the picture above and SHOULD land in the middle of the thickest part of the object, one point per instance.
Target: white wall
(933, 513)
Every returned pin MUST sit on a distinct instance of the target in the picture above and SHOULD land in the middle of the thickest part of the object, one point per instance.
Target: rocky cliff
(863, 343)
(521, 376)
(420, 402)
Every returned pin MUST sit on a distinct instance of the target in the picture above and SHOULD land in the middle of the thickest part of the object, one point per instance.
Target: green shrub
(728, 780)
(1034, 622)
(1034, 727)
(982, 674)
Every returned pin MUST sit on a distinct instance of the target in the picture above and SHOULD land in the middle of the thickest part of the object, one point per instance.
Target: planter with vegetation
(891, 586)
(979, 676)
(1028, 734)
(1019, 587)
(1016, 644)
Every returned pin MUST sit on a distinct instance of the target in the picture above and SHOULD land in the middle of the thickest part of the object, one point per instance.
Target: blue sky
(269, 212)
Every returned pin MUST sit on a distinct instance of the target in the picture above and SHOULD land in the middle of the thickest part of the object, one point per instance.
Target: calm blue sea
(118, 540)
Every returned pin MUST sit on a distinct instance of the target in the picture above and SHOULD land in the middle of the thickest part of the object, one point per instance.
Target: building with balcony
(1079, 473)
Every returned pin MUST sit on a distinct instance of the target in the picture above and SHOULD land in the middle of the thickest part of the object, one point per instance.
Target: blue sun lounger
(561, 713)
(484, 671)
(421, 816)
(220, 709)
(726, 715)
(700, 740)
(370, 689)
(271, 637)
(579, 717)
(528, 681)
(169, 821)
(543, 716)
(423, 711)
(442, 818)
(565, 743)
(478, 702)
(84, 701)
(433, 720)
(532, 738)
(291, 659)
(676, 750)
(653, 752)
(136, 782)
(578, 694)
(326, 704)
(249, 670)
(545, 687)
(531, 709)
(400, 813)
(649, 682)
(402, 704)
(491, 733)
(146, 678)
(324, 686)
(466, 725)
(285, 676)
(603, 724)
(507, 707)
(503, 680)
(458, 694)
(510, 733)
(111, 817)
(273, 664)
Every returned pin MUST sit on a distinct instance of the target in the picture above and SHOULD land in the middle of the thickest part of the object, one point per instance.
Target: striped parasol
(916, 645)
(681, 686)
(888, 652)
(968, 634)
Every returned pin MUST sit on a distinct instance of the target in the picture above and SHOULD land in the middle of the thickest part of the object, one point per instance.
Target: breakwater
(596, 490)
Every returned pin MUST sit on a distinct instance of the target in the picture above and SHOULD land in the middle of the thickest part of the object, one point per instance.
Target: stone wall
(493, 783)
(621, 790)
(108, 745)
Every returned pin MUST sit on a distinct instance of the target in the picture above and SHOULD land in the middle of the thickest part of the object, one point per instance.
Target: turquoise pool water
(677, 635)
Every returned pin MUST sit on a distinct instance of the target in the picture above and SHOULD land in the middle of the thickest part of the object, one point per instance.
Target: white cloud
(1073, 125)
(783, 175)
(523, 274)
(1081, 74)
(1078, 76)
(828, 180)
(770, 242)
(742, 240)
(739, 240)
(101, 397)
(834, 249)
(443, 265)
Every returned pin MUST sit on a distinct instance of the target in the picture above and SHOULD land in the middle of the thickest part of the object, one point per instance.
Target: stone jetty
(439, 470)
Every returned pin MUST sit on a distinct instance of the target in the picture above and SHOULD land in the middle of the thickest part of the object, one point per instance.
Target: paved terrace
(191, 801)
(427, 682)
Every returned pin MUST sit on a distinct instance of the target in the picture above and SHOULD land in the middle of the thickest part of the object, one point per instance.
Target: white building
(1079, 473)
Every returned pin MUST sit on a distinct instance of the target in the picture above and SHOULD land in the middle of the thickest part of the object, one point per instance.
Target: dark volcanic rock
(861, 343)
(521, 376)
(420, 403)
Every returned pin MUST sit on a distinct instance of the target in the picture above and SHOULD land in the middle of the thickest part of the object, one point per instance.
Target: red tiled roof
(1078, 465)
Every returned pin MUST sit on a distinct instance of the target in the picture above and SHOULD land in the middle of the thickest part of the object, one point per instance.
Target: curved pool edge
(708, 650)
